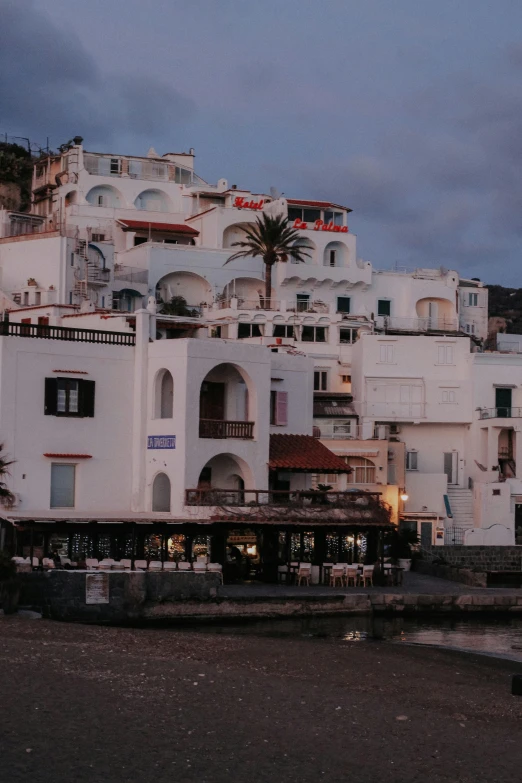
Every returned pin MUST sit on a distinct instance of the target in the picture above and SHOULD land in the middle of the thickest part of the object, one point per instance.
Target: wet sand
(85, 703)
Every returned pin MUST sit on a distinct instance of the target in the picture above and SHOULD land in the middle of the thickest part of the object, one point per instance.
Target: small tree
(7, 498)
(274, 240)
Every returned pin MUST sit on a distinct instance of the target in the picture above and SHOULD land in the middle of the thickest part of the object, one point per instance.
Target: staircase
(461, 502)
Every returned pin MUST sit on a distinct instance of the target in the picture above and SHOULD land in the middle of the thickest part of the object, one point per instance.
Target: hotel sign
(161, 442)
(242, 203)
(320, 225)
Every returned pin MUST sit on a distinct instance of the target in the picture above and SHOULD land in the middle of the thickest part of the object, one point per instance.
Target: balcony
(264, 497)
(349, 430)
(248, 304)
(97, 276)
(217, 428)
(500, 413)
(45, 332)
(425, 325)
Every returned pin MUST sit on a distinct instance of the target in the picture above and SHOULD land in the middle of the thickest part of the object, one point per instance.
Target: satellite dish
(275, 194)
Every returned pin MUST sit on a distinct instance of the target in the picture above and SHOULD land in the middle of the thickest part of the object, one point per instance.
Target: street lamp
(404, 496)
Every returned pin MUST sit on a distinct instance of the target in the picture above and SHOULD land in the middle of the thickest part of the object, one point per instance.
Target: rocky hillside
(505, 309)
(16, 168)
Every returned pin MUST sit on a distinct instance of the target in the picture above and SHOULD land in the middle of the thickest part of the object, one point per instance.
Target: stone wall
(62, 595)
(479, 558)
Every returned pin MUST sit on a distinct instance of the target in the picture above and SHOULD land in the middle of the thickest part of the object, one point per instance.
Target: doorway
(212, 401)
(451, 466)
(503, 402)
(426, 534)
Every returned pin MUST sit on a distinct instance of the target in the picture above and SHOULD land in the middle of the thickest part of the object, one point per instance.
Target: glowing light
(404, 496)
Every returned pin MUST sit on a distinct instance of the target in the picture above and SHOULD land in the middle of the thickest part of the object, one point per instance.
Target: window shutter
(86, 406)
(51, 392)
(282, 408)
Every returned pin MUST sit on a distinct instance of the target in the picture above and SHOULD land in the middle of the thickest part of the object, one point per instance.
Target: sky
(409, 112)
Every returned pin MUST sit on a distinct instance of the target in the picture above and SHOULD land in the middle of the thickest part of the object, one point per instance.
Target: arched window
(161, 493)
(152, 201)
(164, 395)
(335, 254)
(103, 196)
(363, 470)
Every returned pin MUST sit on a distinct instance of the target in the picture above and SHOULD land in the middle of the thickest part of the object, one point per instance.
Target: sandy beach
(98, 704)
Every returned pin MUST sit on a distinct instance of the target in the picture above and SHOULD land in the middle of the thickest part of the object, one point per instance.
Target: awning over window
(166, 228)
(305, 454)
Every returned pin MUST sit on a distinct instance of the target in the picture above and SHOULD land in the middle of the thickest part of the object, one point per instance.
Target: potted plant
(400, 545)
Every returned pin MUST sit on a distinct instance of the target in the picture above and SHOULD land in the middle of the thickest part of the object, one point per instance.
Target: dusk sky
(409, 112)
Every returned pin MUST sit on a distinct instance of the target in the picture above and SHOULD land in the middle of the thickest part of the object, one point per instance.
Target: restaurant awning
(304, 454)
(170, 228)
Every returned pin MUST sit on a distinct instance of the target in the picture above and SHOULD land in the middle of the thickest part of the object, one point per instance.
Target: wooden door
(212, 401)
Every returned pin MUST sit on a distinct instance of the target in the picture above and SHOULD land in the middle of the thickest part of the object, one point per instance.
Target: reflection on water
(495, 636)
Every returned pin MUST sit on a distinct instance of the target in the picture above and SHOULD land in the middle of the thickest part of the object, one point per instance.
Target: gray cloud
(51, 86)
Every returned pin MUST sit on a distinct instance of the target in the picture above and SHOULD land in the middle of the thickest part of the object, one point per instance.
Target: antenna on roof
(275, 193)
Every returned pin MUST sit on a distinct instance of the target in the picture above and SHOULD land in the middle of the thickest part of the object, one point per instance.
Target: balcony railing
(349, 430)
(263, 497)
(8, 329)
(216, 428)
(500, 413)
(248, 304)
(130, 274)
(391, 324)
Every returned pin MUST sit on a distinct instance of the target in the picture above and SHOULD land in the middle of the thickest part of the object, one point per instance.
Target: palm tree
(274, 240)
(6, 496)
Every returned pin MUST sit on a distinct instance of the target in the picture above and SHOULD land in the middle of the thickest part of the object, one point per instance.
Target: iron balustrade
(500, 413)
(269, 497)
(420, 324)
(43, 331)
(217, 428)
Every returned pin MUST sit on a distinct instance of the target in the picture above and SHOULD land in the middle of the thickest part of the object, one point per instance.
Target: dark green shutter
(86, 393)
(51, 394)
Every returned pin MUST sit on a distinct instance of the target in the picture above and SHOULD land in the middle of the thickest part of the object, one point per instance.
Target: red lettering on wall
(320, 225)
(240, 202)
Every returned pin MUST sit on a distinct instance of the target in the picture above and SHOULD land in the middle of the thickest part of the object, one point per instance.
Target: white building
(391, 355)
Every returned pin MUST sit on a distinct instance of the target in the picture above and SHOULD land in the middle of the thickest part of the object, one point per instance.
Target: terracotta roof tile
(303, 453)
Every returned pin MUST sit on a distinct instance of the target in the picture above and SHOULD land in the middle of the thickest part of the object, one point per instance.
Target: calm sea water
(496, 636)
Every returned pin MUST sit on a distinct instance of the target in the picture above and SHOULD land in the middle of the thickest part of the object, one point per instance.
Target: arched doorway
(161, 493)
(164, 395)
(226, 404)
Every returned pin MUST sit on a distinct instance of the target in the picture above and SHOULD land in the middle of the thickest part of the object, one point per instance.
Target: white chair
(282, 574)
(304, 573)
(155, 565)
(140, 565)
(169, 565)
(337, 575)
(366, 576)
(126, 563)
(326, 571)
(91, 563)
(216, 568)
(200, 566)
(106, 564)
(351, 574)
(117, 566)
(66, 561)
(184, 566)
(47, 562)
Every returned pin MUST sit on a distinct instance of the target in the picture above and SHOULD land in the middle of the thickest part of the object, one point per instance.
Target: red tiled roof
(69, 456)
(303, 453)
(319, 204)
(144, 225)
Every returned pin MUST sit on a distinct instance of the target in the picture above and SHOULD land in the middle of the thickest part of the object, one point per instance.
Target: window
(470, 328)
(449, 396)
(412, 461)
(320, 380)
(101, 200)
(383, 307)
(62, 485)
(343, 304)
(314, 334)
(340, 429)
(283, 330)
(445, 354)
(386, 354)
(26, 297)
(38, 298)
(70, 297)
(348, 336)
(333, 217)
(303, 302)
(306, 215)
(115, 166)
(331, 257)
(346, 378)
(363, 470)
(72, 259)
(472, 300)
(98, 238)
(164, 395)
(69, 397)
(279, 408)
(248, 330)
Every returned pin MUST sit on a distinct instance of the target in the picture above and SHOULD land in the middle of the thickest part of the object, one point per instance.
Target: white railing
(395, 410)
(426, 324)
(349, 430)
(130, 273)
(158, 171)
(316, 306)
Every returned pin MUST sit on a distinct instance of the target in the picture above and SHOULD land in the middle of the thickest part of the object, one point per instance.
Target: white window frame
(412, 460)
(448, 396)
(62, 465)
(445, 355)
(323, 379)
(473, 299)
(386, 353)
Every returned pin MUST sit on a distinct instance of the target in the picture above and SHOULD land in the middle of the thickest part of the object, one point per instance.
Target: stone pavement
(414, 584)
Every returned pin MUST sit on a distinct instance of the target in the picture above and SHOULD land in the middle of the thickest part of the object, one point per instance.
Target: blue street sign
(161, 442)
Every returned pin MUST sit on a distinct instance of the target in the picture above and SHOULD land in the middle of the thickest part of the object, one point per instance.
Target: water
(501, 637)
